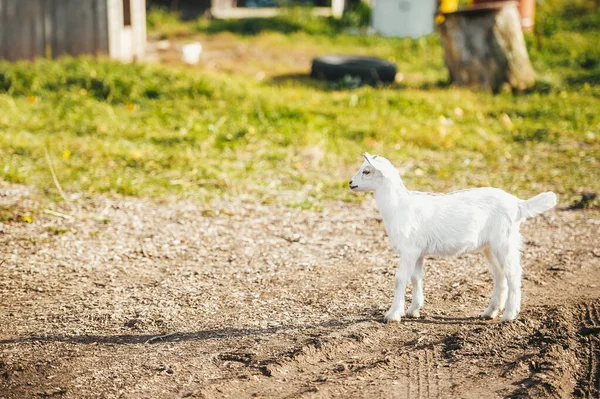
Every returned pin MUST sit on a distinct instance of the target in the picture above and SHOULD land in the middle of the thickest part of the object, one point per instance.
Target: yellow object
(448, 6)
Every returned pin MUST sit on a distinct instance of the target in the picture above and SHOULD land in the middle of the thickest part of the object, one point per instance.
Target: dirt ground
(137, 298)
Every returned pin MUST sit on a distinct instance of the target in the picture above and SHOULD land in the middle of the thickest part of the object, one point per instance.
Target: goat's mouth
(353, 187)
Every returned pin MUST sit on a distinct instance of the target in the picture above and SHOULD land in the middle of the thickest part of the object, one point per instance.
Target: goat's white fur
(421, 224)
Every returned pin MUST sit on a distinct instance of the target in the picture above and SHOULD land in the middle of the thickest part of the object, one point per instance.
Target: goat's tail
(536, 205)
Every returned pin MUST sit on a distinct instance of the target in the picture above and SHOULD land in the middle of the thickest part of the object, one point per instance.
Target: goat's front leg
(417, 298)
(403, 274)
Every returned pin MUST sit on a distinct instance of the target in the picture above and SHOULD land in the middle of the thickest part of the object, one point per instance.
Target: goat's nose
(350, 182)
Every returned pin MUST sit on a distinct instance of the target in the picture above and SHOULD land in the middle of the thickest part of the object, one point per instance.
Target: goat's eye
(366, 172)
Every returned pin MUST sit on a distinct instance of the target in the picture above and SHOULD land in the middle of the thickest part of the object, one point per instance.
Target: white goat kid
(420, 224)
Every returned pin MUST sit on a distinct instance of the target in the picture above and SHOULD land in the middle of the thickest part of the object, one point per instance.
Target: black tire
(335, 67)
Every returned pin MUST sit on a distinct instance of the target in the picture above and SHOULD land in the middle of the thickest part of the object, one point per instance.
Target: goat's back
(462, 221)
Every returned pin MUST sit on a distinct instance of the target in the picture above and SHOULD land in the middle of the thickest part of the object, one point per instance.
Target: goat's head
(375, 172)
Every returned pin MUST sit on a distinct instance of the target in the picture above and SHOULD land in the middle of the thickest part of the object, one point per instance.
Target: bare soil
(225, 52)
(137, 298)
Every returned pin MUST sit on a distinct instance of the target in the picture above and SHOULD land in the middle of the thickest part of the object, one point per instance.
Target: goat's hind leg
(498, 299)
(417, 298)
(512, 271)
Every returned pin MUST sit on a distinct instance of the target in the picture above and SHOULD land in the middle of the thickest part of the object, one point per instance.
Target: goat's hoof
(489, 314)
(391, 317)
(509, 316)
(413, 313)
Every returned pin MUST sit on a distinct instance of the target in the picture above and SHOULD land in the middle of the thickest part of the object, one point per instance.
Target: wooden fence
(38, 28)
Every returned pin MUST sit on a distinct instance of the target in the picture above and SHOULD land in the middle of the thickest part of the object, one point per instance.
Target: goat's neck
(390, 199)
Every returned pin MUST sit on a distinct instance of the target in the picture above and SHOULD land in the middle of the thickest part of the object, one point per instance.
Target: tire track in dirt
(422, 365)
(591, 322)
(425, 377)
(435, 363)
(596, 314)
(431, 388)
(340, 362)
(593, 370)
(591, 314)
(411, 377)
(597, 362)
(591, 329)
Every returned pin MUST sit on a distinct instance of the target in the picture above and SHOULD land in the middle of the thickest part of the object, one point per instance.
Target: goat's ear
(368, 158)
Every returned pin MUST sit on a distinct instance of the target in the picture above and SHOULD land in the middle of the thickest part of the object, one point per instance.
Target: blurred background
(200, 99)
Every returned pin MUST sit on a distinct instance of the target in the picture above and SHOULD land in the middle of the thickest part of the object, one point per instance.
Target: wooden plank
(115, 26)
(22, 32)
(85, 22)
(9, 15)
(337, 8)
(64, 28)
(38, 43)
(74, 30)
(101, 27)
(59, 29)
(13, 32)
(2, 27)
(104, 27)
(263, 12)
(139, 29)
(17, 30)
(48, 26)
(37, 28)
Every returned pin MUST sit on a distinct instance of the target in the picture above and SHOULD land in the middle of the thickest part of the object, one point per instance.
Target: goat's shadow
(370, 315)
(377, 315)
(223, 333)
(449, 320)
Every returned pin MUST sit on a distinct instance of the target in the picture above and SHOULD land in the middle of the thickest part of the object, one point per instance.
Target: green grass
(148, 130)
(293, 19)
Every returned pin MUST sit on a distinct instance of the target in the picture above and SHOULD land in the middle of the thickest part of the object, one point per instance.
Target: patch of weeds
(590, 78)
(166, 23)
(357, 15)
(543, 87)
(291, 19)
(12, 214)
(103, 81)
(208, 212)
(250, 26)
(540, 135)
(31, 240)
(57, 230)
(229, 139)
(7, 215)
(588, 60)
(347, 82)
(587, 201)
(307, 205)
